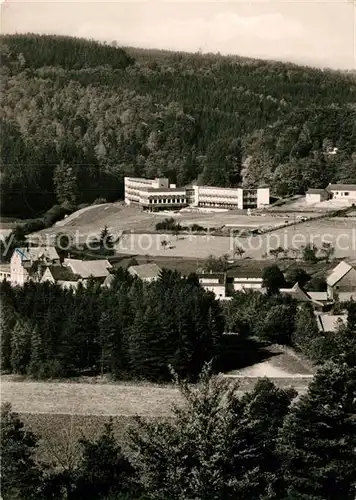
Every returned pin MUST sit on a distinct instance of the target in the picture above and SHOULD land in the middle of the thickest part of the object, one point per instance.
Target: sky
(313, 32)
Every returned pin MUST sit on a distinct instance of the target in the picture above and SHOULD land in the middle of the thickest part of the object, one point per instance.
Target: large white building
(134, 187)
(158, 194)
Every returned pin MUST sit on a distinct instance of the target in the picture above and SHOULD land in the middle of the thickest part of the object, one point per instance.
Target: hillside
(77, 116)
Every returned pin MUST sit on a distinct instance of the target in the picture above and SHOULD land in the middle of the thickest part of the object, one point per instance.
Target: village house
(214, 282)
(341, 282)
(245, 280)
(62, 276)
(316, 196)
(300, 295)
(146, 272)
(85, 269)
(346, 192)
(28, 264)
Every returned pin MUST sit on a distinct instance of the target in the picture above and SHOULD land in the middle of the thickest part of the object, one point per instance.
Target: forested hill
(77, 116)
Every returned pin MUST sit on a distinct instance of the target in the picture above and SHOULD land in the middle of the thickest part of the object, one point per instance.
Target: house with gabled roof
(316, 196)
(341, 282)
(345, 192)
(29, 263)
(85, 269)
(146, 272)
(61, 275)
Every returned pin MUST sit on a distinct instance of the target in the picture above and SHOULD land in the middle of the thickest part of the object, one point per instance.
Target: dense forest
(136, 330)
(128, 331)
(77, 116)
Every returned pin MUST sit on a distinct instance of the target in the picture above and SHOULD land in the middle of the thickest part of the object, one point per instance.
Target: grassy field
(62, 412)
(140, 237)
(341, 234)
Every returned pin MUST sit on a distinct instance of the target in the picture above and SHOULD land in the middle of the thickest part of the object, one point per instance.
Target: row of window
(167, 200)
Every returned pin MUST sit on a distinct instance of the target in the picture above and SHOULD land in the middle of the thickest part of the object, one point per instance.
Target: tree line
(136, 330)
(130, 330)
(218, 444)
(77, 116)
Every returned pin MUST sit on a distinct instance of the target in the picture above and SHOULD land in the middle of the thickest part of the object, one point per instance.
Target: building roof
(341, 187)
(86, 268)
(245, 273)
(316, 191)
(63, 273)
(5, 268)
(329, 322)
(33, 254)
(146, 271)
(296, 293)
(319, 296)
(338, 273)
(210, 278)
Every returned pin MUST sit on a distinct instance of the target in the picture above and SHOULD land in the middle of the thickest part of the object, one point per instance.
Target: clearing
(63, 412)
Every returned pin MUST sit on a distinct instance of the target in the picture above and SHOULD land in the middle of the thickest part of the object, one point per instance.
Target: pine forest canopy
(77, 116)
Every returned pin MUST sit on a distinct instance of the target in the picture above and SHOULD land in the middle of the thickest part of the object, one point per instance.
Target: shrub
(54, 214)
(33, 225)
(99, 201)
(83, 205)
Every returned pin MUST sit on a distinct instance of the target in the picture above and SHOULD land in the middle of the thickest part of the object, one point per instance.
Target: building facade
(135, 185)
(214, 282)
(316, 196)
(28, 264)
(163, 198)
(158, 194)
(346, 192)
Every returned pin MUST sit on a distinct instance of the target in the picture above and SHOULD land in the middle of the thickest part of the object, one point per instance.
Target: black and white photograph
(178, 250)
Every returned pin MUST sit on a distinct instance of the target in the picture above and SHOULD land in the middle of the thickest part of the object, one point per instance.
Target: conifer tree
(20, 346)
(21, 476)
(103, 471)
(35, 367)
(318, 439)
(217, 445)
(8, 322)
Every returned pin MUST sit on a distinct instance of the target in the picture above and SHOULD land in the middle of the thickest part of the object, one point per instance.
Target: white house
(346, 192)
(214, 282)
(247, 282)
(146, 272)
(29, 263)
(316, 196)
